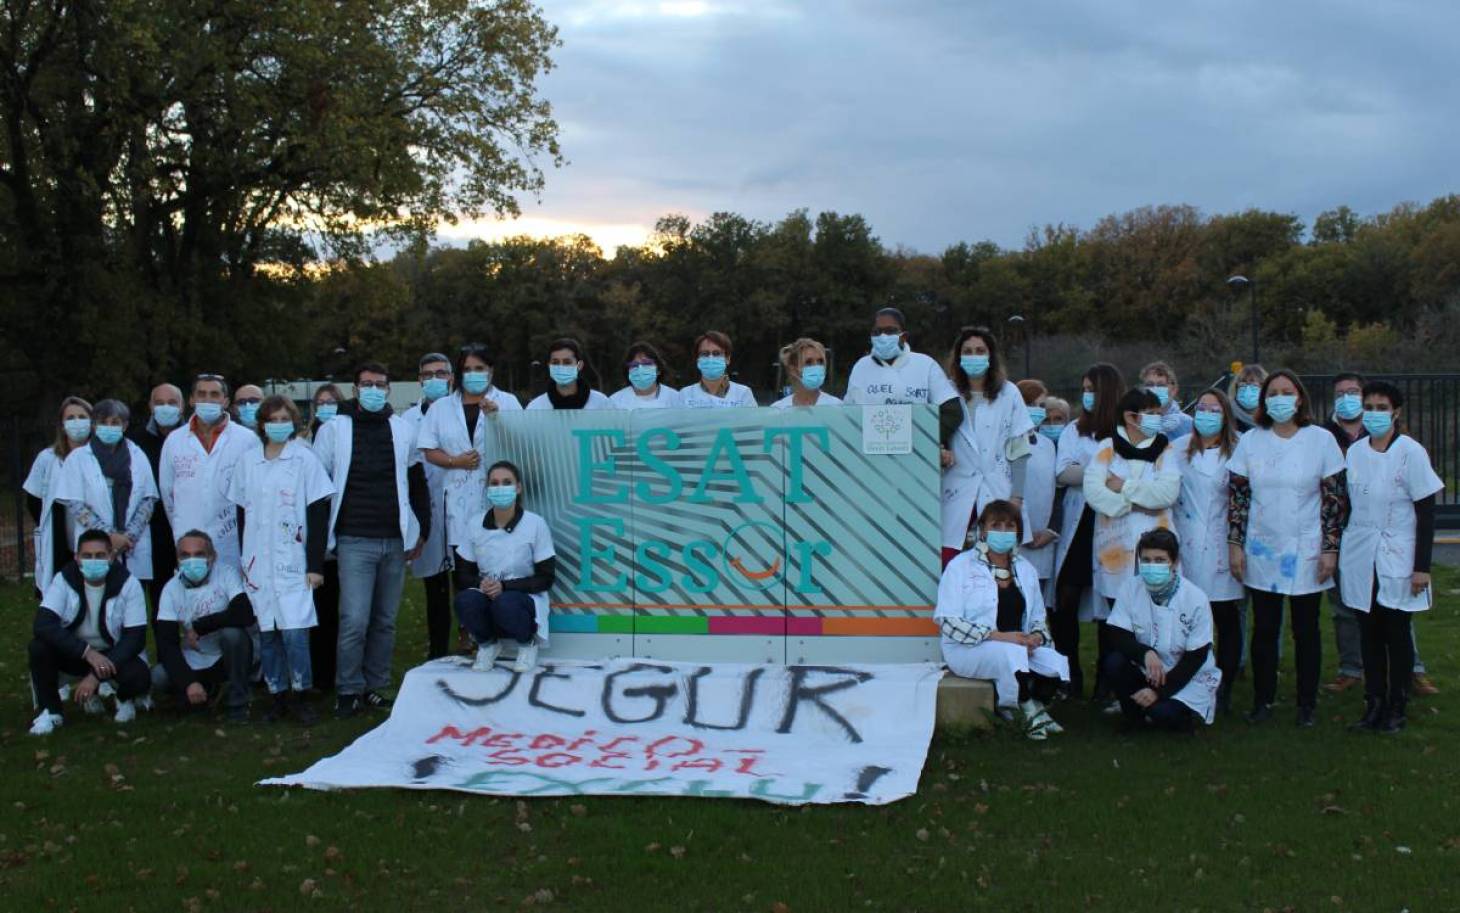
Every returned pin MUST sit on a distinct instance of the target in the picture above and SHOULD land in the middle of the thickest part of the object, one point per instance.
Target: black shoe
(303, 714)
(1224, 703)
(1373, 715)
(347, 705)
(278, 708)
(1394, 718)
(377, 701)
(1261, 713)
(236, 716)
(1305, 718)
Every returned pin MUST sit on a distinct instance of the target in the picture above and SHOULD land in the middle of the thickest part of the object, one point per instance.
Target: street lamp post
(1018, 321)
(1237, 284)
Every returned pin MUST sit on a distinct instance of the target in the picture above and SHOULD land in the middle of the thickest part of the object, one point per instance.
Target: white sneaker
(46, 723)
(486, 655)
(1111, 709)
(106, 689)
(526, 658)
(65, 693)
(126, 712)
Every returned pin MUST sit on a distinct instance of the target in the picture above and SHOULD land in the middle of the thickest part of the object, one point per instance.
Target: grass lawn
(161, 815)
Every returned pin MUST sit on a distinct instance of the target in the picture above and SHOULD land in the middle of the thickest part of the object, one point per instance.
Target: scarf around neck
(1149, 453)
(116, 468)
(578, 400)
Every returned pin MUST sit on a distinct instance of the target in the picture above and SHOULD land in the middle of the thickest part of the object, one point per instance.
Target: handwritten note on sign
(782, 734)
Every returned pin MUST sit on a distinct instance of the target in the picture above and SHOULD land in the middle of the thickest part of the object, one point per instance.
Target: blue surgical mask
(1282, 407)
(372, 399)
(208, 413)
(1087, 400)
(1150, 424)
(476, 382)
(1348, 406)
(886, 346)
(1163, 395)
(974, 365)
(1037, 415)
(108, 434)
(1001, 541)
(502, 495)
(248, 413)
(563, 375)
(711, 367)
(1247, 396)
(95, 569)
(278, 432)
(813, 376)
(1207, 423)
(1052, 432)
(77, 429)
(433, 388)
(166, 415)
(326, 411)
(1378, 423)
(643, 376)
(194, 570)
(1157, 576)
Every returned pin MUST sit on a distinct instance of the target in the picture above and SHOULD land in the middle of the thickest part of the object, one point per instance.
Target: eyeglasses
(248, 401)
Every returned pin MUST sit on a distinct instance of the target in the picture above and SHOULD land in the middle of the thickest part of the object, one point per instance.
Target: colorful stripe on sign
(749, 625)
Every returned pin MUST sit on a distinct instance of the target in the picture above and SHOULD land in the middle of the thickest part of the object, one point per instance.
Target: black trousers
(1388, 646)
(324, 637)
(1076, 575)
(47, 664)
(438, 614)
(1125, 678)
(234, 668)
(1227, 618)
(1267, 616)
(1039, 687)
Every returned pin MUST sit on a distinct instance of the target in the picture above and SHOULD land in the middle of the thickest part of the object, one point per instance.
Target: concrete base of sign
(965, 703)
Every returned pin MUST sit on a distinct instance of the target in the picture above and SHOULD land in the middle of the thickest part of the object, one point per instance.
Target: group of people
(256, 543)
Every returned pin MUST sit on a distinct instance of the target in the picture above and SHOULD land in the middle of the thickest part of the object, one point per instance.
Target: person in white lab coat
(991, 620)
(1285, 509)
(568, 389)
(1385, 553)
(1201, 522)
(648, 379)
(1039, 480)
(433, 566)
(1074, 559)
(511, 558)
(803, 363)
(991, 444)
(326, 405)
(53, 529)
(714, 389)
(196, 467)
(283, 493)
(1160, 663)
(108, 485)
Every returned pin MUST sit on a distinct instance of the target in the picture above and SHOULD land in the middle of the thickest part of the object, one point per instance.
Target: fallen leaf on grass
(578, 810)
(652, 848)
(677, 852)
(311, 841)
(307, 887)
(922, 834)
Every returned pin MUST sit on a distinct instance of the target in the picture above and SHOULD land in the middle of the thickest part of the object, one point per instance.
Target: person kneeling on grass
(990, 614)
(203, 630)
(507, 570)
(1161, 665)
(91, 623)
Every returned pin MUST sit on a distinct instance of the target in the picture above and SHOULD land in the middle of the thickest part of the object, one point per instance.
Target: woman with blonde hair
(804, 364)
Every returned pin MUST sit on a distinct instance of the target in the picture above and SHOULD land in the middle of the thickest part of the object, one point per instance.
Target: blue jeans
(372, 574)
(511, 615)
(285, 657)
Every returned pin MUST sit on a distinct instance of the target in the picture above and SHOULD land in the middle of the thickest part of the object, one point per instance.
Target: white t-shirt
(186, 604)
(596, 400)
(1380, 537)
(696, 397)
(90, 628)
(1182, 625)
(1284, 525)
(912, 377)
(663, 398)
(511, 555)
(822, 399)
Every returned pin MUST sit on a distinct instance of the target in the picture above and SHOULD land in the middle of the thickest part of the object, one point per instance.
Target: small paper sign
(887, 429)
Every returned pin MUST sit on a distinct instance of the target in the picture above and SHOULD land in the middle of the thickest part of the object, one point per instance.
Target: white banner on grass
(783, 734)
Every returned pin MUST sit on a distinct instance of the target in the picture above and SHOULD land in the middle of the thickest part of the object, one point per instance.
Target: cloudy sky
(949, 120)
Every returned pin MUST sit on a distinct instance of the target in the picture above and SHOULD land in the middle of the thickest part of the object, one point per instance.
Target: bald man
(246, 401)
(166, 408)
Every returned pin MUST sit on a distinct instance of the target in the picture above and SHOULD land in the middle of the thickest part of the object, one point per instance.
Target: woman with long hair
(53, 531)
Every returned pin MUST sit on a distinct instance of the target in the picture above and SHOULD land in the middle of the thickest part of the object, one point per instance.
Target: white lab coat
(81, 481)
(275, 495)
(1284, 522)
(1201, 522)
(333, 446)
(1173, 630)
(185, 604)
(968, 592)
(464, 490)
(194, 484)
(1039, 489)
(512, 556)
(66, 602)
(1153, 486)
(435, 556)
(1074, 448)
(696, 397)
(990, 435)
(596, 400)
(1380, 536)
(42, 482)
(664, 398)
(822, 399)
